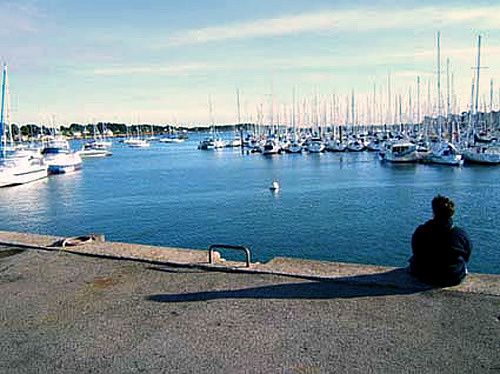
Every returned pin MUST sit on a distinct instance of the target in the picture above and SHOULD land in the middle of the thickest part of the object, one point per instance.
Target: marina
(324, 176)
(336, 206)
(249, 186)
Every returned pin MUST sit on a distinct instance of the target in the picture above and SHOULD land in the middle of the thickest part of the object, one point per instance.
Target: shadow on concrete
(9, 251)
(176, 270)
(393, 282)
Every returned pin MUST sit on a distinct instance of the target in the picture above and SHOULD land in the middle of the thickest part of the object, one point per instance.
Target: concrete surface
(63, 312)
(319, 270)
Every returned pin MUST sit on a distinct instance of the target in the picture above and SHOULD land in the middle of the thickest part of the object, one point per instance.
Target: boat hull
(94, 153)
(64, 169)
(455, 160)
(482, 158)
(64, 163)
(8, 179)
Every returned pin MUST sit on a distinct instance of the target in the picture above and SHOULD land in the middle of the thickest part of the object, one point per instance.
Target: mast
(478, 67)
(471, 131)
(454, 108)
(352, 109)
(448, 102)
(238, 105)
(400, 115)
(211, 113)
(491, 103)
(2, 129)
(418, 101)
(389, 97)
(410, 108)
(439, 83)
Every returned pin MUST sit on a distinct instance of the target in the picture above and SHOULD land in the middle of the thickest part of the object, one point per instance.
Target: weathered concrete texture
(351, 273)
(62, 312)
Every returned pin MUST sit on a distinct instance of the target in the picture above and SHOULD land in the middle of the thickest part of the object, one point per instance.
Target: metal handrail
(227, 246)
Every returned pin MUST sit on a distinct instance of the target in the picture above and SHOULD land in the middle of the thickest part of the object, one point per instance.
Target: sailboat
(95, 147)
(315, 145)
(18, 167)
(400, 152)
(137, 142)
(93, 150)
(60, 158)
(294, 146)
(444, 152)
(479, 152)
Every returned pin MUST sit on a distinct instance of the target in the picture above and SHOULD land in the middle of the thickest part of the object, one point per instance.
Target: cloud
(351, 20)
(19, 17)
(154, 69)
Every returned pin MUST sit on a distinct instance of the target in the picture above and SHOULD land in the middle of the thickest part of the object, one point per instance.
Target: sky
(164, 61)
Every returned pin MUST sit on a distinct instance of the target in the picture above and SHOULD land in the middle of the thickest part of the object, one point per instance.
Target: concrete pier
(115, 307)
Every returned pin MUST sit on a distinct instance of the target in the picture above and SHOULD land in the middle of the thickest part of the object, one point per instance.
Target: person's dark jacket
(440, 253)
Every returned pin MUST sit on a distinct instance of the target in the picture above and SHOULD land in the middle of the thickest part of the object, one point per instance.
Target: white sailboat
(271, 147)
(335, 145)
(315, 145)
(294, 145)
(483, 153)
(59, 157)
(19, 167)
(401, 152)
(20, 170)
(138, 143)
(97, 147)
(444, 152)
(94, 150)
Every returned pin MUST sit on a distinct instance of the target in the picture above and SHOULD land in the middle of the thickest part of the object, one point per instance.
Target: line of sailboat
(20, 164)
(443, 140)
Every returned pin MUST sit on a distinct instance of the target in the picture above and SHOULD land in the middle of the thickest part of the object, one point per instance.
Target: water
(337, 207)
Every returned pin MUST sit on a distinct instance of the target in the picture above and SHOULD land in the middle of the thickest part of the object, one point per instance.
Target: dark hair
(442, 207)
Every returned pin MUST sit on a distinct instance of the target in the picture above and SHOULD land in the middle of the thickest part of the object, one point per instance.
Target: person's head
(443, 208)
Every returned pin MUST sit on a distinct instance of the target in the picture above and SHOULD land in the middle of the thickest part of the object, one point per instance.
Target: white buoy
(275, 186)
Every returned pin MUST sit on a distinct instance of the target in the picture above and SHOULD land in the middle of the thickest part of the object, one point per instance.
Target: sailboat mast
(439, 82)
(410, 108)
(448, 102)
(352, 109)
(478, 67)
(471, 132)
(389, 98)
(418, 101)
(4, 79)
(491, 103)
(238, 105)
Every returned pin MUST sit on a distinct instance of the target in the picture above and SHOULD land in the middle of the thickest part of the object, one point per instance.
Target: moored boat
(21, 170)
(315, 145)
(59, 157)
(445, 153)
(483, 155)
(401, 152)
(94, 150)
(271, 147)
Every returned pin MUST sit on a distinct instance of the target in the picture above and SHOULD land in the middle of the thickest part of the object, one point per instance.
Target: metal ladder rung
(227, 246)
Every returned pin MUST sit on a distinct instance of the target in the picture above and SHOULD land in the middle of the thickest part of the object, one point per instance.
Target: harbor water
(331, 206)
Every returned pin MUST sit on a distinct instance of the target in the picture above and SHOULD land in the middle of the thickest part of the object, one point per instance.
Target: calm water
(338, 207)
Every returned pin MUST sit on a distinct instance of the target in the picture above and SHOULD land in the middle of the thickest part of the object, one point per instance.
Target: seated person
(440, 249)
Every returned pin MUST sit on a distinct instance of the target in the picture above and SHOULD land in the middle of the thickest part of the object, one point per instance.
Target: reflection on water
(331, 206)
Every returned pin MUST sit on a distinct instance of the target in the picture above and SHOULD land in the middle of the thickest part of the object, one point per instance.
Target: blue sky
(158, 61)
